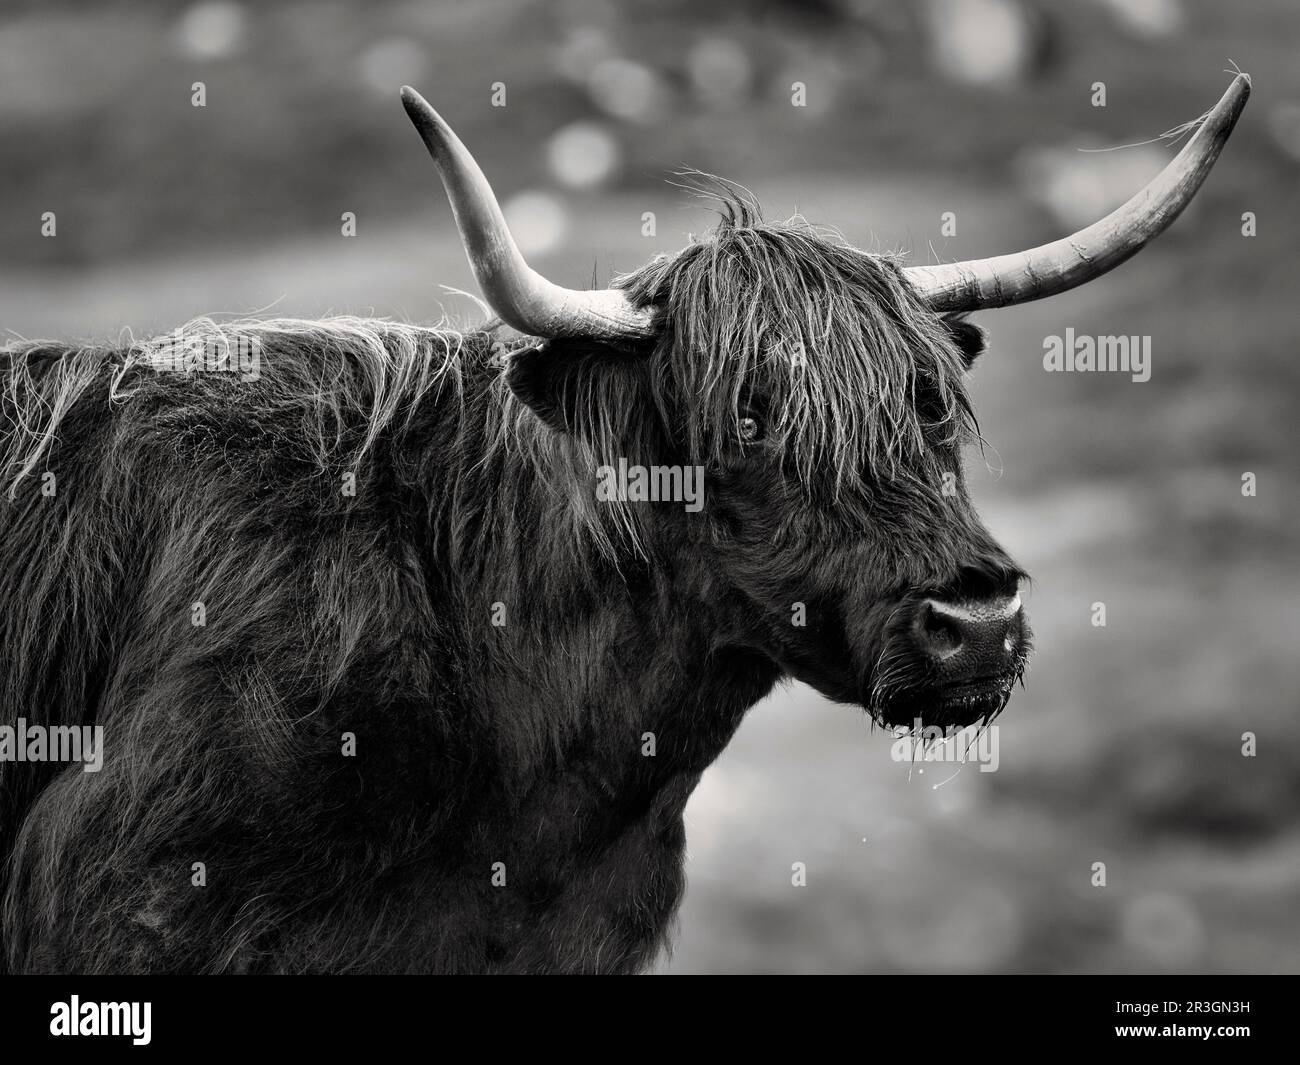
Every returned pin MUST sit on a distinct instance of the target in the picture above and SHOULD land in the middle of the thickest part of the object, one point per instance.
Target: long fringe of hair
(856, 378)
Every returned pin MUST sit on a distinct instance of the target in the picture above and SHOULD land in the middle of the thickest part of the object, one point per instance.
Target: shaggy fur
(503, 649)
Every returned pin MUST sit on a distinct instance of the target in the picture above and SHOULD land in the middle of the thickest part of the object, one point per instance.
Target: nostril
(940, 632)
(971, 635)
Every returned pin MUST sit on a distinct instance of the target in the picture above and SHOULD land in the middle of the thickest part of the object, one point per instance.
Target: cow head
(820, 391)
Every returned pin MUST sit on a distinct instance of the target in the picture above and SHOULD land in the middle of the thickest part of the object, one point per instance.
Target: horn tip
(417, 107)
(412, 101)
(427, 121)
(1229, 108)
(1237, 93)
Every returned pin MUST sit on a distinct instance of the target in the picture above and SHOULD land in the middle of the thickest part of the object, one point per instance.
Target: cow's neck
(614, 672)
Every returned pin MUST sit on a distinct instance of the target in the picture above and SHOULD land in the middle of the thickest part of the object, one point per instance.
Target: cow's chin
(946, 705)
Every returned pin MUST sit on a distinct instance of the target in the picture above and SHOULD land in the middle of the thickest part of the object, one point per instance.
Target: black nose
(971, 639)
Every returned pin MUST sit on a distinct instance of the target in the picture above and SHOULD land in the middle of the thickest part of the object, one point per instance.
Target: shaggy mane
(339, 374)
(333, 396)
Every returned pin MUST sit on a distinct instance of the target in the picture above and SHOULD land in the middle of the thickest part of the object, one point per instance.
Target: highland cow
(384, 683)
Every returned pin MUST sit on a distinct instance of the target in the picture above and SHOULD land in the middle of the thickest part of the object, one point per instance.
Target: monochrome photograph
(612, 487)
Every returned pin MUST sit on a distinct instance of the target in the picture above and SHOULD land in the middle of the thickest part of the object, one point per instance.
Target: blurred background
(1126, 747)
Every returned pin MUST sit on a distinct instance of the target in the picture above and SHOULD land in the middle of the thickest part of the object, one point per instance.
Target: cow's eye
(750, 429)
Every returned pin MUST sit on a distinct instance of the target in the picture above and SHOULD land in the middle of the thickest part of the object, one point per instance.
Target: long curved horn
(520, 295)
(1089, 253)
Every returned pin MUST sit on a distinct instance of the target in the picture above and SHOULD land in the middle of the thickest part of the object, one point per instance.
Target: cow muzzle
(963, 655)
(968, 641)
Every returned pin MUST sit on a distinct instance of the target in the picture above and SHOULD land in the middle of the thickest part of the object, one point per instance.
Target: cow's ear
(572, 383)
(970, 339)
